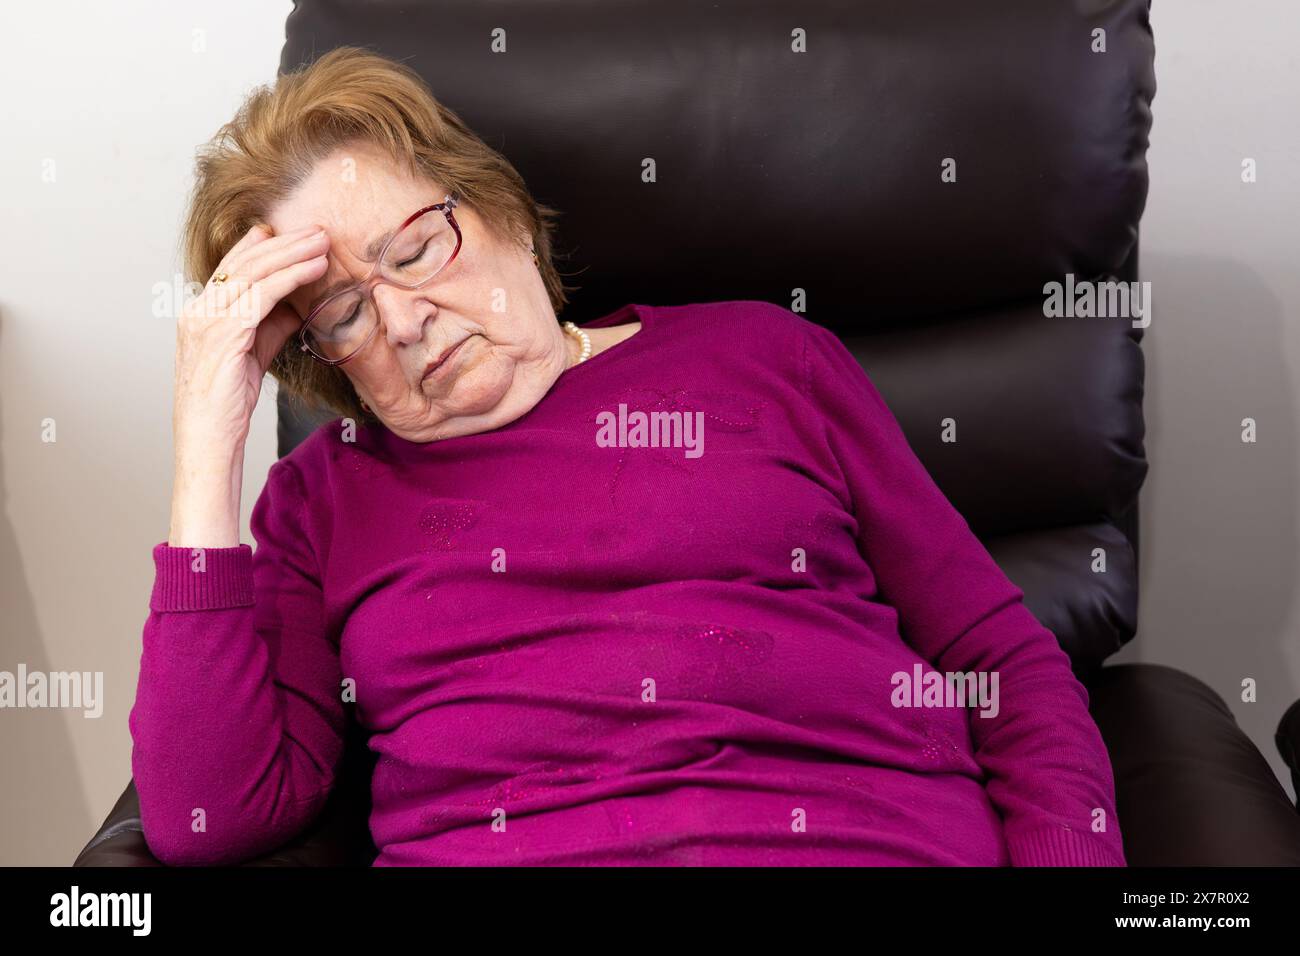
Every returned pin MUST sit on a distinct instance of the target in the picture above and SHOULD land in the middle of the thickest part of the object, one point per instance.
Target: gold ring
(219, 278)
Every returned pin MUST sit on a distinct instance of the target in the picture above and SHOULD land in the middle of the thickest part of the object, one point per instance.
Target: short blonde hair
(280, 133)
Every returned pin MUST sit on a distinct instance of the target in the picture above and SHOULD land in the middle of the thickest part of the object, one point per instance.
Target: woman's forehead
(349, 212)
(356, 193)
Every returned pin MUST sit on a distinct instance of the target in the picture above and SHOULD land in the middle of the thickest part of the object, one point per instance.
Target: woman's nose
(402, 313)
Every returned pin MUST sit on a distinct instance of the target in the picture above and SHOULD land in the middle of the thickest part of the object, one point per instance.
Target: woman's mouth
(444, 360)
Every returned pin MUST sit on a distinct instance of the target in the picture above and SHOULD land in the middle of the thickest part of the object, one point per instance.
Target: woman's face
(489, 303)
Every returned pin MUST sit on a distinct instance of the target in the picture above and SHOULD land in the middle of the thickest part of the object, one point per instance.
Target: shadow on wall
(1219, 529)
(42, 788)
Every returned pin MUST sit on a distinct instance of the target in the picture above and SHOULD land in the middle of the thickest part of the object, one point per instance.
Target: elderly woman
(669, 588)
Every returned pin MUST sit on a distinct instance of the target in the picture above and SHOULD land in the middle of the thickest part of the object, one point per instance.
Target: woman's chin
(477, 390)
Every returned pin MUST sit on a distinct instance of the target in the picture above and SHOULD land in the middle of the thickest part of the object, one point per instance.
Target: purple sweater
(569, 645)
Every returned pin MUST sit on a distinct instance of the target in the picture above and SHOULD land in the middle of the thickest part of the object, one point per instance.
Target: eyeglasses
(345, 322)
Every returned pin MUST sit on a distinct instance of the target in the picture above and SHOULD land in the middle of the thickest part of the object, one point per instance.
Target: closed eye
(414, 258)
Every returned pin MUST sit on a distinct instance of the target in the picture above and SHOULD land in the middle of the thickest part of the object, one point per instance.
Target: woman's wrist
(205, 498)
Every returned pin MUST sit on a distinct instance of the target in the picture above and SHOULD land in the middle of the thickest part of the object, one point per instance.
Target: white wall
(1219, 522)
(118, 98)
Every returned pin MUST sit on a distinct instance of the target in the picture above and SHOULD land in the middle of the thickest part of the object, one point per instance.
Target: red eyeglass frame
(447, 205)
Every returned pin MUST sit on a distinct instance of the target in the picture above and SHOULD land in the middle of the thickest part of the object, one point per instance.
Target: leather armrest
(1288, 743)
(120, 841)
(1191, 788)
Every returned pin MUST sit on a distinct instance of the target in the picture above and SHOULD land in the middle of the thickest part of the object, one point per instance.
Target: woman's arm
(1047, 769)
(238, 721)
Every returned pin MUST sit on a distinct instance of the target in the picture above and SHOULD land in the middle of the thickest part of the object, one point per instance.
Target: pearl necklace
(582, 337)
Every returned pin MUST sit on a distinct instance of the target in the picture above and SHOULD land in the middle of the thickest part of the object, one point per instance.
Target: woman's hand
(225, 341)
(228, 335)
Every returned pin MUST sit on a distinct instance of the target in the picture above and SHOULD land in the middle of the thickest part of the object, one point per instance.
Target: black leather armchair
(912, 174)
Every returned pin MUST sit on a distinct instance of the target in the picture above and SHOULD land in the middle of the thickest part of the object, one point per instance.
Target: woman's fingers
(268, 258)
(264, 294)
(245, 266)
(256, 234)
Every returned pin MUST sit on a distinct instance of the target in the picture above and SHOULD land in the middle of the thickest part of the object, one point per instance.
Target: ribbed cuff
(1061, 847)
(201, 579)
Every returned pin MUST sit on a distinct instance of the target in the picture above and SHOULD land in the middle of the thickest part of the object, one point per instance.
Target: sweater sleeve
(238, 721)
(1047, 769)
